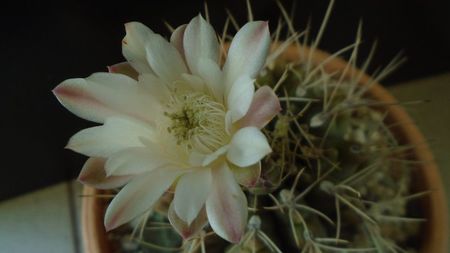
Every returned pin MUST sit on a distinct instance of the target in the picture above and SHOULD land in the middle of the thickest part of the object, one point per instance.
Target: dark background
(44, 43)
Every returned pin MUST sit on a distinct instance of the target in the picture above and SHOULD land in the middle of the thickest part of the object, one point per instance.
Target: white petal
(124, 68)
(176, 39)
(191, 193)
(133, 46)
(164, 59)
(196, 158)
(115, 135)
(226, 205)
(156, 88)
(247, 53)
(194, 82)
(240, 97)
(215, 155)
(248, 146)
(200, 41)
(228, 124)
(187, 231)
(93, 174)
(104, 95)
(202, 160)
(264, 107)
(210, 72)
(247, 176)
(132, 161)
(138, 196)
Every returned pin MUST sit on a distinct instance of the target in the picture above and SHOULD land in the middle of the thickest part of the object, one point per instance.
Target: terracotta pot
(434, 231)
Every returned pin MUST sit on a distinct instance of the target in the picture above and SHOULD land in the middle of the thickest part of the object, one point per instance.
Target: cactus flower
(173, 118)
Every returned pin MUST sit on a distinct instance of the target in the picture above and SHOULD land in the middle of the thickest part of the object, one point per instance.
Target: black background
(44, 43)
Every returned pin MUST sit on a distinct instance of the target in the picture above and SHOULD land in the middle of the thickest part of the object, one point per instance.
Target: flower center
(197, 121)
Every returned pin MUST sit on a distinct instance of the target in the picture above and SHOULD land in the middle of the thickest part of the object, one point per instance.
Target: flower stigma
(197, 121)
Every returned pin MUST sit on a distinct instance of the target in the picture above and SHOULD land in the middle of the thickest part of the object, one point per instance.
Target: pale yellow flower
(177, 119)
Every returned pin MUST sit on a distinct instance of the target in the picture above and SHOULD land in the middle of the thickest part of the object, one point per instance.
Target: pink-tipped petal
(133, 46)
(104, 95)
(164, 59)
(226, 205)
(176, 39)
(191, 193)
(187, 231)
(200, 41)
(248, 146)
(240, 97)
(93, 174)
(133, 161)
(264, 107)
(246, 176)
(138, 196)
(115, 135)
(124, 68)
(247, 53)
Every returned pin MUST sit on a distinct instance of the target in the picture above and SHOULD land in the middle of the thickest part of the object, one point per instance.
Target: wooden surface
(47, 220)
